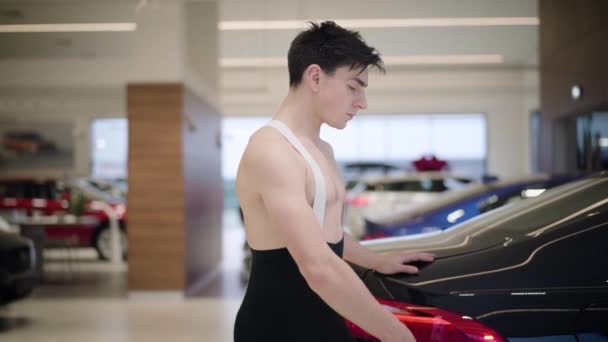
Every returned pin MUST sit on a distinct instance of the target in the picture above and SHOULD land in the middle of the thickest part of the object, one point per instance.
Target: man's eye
(351, 88)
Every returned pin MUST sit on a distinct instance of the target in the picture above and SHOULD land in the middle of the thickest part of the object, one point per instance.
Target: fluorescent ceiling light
(93, 27)
(447, 59)
(253, 62)
(380, 23)
(388, 60)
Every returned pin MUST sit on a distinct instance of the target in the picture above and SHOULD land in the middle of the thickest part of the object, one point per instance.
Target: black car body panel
(541, 280)
(17, 275)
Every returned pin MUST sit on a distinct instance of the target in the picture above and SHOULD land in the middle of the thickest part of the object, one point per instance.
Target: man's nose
(362, 103)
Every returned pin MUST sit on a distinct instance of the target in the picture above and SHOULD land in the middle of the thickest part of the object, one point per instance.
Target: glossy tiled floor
(90, 303)
(91, 320)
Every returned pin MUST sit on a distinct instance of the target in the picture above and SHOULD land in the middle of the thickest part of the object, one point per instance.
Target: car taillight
(375, 235)
(429, 324)
(358, 201)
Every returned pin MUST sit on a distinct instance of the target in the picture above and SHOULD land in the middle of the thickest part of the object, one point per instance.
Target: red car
(429, 324)
(26, 198)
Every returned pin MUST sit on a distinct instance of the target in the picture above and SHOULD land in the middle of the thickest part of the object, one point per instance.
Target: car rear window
(570, 200)
(530, 217)
(423, 185)
(11, 189)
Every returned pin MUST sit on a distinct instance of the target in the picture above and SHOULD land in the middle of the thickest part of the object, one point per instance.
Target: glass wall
(459, 139)
(592, 141)
(109, 148)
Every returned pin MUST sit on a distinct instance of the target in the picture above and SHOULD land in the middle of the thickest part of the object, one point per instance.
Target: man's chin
(337, 125)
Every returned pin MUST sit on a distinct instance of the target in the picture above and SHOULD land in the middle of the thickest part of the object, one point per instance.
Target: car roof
(453, 197)
(459, 234)
(409, 176)
(365, 165)
(31, 180)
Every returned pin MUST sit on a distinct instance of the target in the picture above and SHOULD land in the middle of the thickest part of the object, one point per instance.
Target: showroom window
(109, 148)
(459, 139)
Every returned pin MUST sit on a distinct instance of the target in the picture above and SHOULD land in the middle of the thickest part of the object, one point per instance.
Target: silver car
(375, 196)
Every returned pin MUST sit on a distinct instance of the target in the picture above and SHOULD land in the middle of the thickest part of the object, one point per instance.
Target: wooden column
(175, 190)
(573, 51)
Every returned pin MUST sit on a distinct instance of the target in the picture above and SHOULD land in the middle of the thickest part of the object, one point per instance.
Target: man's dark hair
(329, 46)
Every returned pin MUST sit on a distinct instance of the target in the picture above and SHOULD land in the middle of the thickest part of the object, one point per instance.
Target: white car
(101, 190)
(375, 196)
(7, 227)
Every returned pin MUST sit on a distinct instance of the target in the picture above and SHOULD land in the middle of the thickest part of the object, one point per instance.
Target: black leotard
(280, 306)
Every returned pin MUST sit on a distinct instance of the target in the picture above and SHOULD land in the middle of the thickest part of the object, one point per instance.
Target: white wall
(73, 86)
(505, 95)
(175, 41)
(78, 106)
(171, 39)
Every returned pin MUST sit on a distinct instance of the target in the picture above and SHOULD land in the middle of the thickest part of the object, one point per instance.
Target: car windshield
(422, 185)
(532, 216)
(351, 184)
(552, 206)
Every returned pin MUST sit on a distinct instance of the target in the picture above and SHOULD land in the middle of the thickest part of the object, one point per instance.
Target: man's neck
(298, 114)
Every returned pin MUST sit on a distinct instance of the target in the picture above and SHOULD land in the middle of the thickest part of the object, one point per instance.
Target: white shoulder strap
(319, 201)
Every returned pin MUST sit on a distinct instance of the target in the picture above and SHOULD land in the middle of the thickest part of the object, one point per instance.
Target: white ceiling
(257, 91)
(65, 45)
(517, 45)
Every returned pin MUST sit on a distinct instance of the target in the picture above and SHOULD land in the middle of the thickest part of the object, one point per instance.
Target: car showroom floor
(86, 300)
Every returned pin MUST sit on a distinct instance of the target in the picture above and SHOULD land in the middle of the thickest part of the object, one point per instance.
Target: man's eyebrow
(363, 84)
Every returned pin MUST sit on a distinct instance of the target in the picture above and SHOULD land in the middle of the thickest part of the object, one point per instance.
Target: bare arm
(384, 263)
(280, 179)
(360, 255)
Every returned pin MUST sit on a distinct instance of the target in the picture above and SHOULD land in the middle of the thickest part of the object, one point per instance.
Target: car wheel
(102, 241)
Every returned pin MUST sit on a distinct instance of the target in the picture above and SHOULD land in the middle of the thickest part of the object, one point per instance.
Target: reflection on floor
(117, 320)
(84, 299)
(79, 274)
(228, 284)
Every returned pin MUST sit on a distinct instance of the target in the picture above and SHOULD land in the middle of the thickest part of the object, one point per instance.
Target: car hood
(450, 198)
(11, 240)
(443, 243)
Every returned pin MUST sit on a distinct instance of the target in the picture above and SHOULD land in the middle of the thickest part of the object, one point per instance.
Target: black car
(17, 275)
(534, 268)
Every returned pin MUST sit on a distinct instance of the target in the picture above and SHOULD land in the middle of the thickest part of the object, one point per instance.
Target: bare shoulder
(267, 145)
(268, 157)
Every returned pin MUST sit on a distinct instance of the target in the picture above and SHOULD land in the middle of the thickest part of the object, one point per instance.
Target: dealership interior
(123, 123)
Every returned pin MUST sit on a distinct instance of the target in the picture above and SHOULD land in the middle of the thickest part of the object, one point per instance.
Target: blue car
(459, 206)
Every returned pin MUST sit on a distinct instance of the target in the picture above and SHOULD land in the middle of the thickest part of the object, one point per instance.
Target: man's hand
(396, 262)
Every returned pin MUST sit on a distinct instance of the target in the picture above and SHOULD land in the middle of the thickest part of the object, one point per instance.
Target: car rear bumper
(16, 286)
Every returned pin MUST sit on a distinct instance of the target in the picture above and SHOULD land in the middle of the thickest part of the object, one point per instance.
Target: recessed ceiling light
(253, 62)
(443, 59)
(91, 27)
(272, 62)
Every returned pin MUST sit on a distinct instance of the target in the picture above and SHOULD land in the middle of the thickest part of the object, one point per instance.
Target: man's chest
(334, 185)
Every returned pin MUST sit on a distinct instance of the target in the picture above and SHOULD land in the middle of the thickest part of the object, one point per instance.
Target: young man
(292, 196)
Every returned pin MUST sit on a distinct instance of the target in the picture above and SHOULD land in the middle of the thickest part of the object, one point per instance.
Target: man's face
(341, 95)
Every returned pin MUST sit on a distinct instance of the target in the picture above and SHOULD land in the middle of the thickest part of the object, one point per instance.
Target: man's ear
(312, 77)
